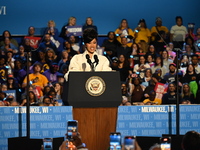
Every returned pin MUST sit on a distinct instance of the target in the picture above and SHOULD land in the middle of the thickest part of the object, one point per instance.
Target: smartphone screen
(129, 142)
(115, 141)
(48, 143)
(165, 143)
(72, 128)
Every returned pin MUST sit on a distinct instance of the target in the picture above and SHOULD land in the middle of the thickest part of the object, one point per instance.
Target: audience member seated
(89, 24)
(141, 66)
(64, 59)
(58, 89)
(64, 33)
(36, 78)
(171, 96)
(52, 73)
(18, 66)
(166, 60)
(7, 34)
(51, 56)
(171, 75)
(195, 63)
(123, 67)
(69, 49)
(43, 61)
(32, 99)
(30, 50)
(34, 41)
(21, 55)
(147, 77)
(188, 51)
(184, 61)
(47, 43)
(47, 101)
(10, 61)
(52, 31)
(186, 94)
(142, 32)
(124, 49)
(190, 75)
(110, 45)
(190, 41)
(7, 45)
(125, 31)
(74, 44)
(159, 65)
(197, 40)
(136, 90)
(152, 98)
(158, 27)
(136, 52)
(178, 33)
(143, 47)
(151, 50)
(3, 69)
(150, 60)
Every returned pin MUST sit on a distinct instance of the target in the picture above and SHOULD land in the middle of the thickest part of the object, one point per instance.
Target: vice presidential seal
(95, 86)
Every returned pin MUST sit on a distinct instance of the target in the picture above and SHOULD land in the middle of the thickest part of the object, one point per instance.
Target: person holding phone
(75, 144)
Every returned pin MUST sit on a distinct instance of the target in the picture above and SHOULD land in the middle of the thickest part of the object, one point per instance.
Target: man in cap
(171, 75)
(158, 27)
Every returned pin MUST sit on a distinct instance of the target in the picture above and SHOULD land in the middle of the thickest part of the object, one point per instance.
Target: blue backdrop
(16, 16)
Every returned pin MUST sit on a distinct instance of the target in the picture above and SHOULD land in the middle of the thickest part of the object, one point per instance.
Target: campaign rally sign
(155, 120)
(10, 92)
(45, 122)
(74, 30)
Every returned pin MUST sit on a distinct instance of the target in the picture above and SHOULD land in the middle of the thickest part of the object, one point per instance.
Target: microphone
(96, 60)
(90, 62)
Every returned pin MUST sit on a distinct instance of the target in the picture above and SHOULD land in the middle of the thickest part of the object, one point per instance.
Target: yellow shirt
(130, 32)
(156, 101)
(38, 80)
(161, 28)
(143, 34)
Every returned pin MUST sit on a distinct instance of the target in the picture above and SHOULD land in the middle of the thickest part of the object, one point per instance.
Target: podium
(95, 97)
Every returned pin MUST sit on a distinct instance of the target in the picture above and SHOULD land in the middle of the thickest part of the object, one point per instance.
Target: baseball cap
(172, 64)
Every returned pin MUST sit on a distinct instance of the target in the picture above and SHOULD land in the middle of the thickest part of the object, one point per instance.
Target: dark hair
(3, 35)
(89, 34)
(187, 71)
(191, 141)
(121, 23)
(158, 56)
(179, 17)
(189, 37)
(142, 20)
(139, 59)
(138, 48)
(110, 33)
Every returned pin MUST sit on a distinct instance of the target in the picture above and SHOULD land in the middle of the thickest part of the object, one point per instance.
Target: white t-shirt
(179, 32)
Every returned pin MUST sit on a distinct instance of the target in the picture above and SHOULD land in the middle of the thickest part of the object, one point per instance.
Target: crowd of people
(190, 141)
(150, 61)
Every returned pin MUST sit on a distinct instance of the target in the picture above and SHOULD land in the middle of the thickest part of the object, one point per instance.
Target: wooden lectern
(95, 97)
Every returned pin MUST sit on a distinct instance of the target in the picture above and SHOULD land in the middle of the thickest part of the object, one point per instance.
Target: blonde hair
(51, 21)
(71, 18)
